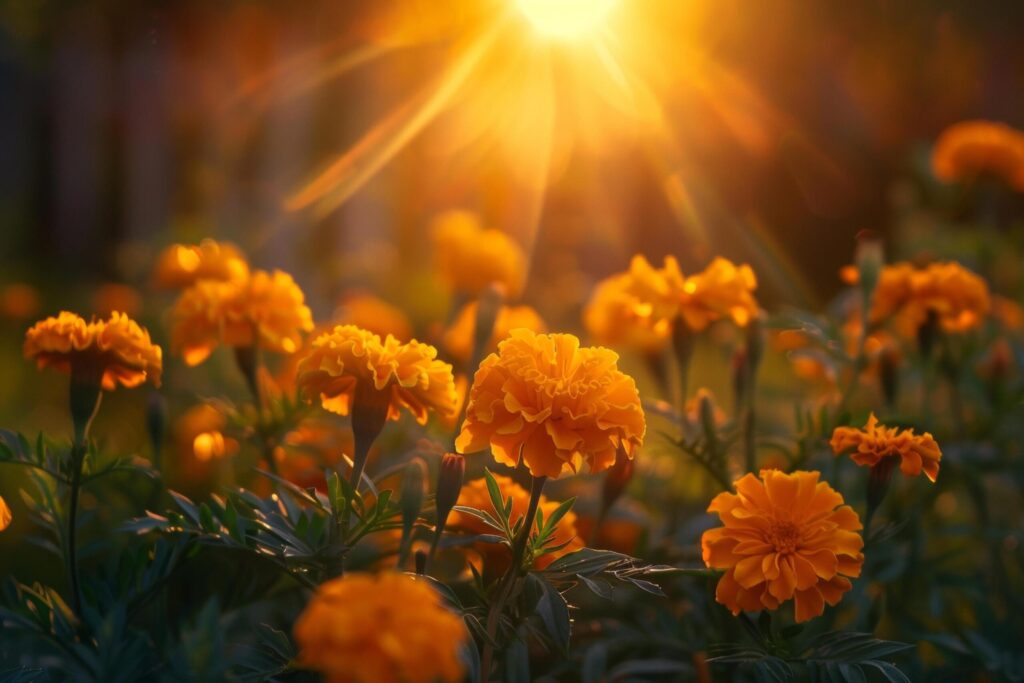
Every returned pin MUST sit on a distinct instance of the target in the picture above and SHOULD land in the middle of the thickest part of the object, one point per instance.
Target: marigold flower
(265, 310)
(116, 350)
(783, 537)
(404, 375)
(496, 557)
(5, 514)
(114, 296)
(611, 317)
(469, 257)
(1008, 312)
(458, 340)
(868, 446)
(722, 290)
(970, 149)
(182, 265)
(375, 315)
(18, 301)
(305, 451)
(362, 628)
(555, 405)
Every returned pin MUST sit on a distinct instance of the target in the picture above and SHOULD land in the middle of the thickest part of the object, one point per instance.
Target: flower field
(453, 403)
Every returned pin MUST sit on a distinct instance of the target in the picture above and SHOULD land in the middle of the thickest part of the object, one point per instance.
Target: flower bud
(618, 478)
(487, 309)
(449, 484)
(869, 257)
(707, 416)
(413, 479)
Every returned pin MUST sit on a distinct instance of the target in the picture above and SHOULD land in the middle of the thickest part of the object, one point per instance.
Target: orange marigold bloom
(722, 290)
(496, 557)
(267, 309)
(612, 317)
(970, 149)
(182, 265)
(470, 258)
(404, 375)
(5, 514)
(868, 446)
(783, 537)
(546, 400)
(18, 301)
(117, 350)
(1008, 312)
(458, 340)
(362, 628)
(374, 314)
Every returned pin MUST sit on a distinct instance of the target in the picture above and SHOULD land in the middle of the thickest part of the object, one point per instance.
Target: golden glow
(566, 18)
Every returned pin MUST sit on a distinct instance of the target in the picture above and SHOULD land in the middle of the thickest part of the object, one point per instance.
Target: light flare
(566, 19)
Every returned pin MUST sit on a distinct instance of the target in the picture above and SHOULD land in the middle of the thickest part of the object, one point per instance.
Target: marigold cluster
(459, 338)
(722, 290)
(470, 257)
(370, 629)
(496, 557)
(405, 376)
(117, 349)
(544, 399)
(374, 314)
(970, 149)
(783, 537)
(267, 310)
(870, 445)
(182, 265)
(612, 317)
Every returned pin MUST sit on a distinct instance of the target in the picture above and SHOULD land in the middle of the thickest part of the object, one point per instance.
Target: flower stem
(509, 579)
(85, 396)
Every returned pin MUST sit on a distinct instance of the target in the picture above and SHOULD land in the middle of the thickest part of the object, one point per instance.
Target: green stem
(84, 397)
(509, 579)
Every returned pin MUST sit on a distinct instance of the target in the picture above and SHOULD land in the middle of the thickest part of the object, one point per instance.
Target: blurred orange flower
(783, 537)
(469, 257)
(182, 265)
(1008, 312)
(362, 628)
(544, 399)
(116, 350)
(404, 375)
(266, 310)
(611, 317)
(114, 296)
(870, 445)
(18, 301)
(375, 315)
(213, 446)
(970, 149)
(308, 449)
(497, 557)
(5, 514)
(722, 290)
(458, 340)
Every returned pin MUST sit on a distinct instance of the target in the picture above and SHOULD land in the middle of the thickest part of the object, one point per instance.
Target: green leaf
(554, 613)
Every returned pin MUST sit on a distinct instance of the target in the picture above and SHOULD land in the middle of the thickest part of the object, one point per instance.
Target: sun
(566, 19)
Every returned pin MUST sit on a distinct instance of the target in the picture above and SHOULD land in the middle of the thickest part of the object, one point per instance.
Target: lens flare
(566, 19)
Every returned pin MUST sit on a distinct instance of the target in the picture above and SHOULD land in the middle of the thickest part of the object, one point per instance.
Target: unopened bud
(449, 484)
(413, 480)
(707, 416)
(617, 479)
(869, 257)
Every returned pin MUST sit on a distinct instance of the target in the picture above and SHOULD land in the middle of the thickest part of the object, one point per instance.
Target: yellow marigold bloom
(722, 290)
(375, 315)
(458, 340)
(868, 446)
(5, 514)
(496, 557)
(386, 628)
(469, 257)
(182, 265)
(611, 317)
(402, 375)
(117, 350)
(267, 309)
(546, 400)
(970, 149)
(783, 537)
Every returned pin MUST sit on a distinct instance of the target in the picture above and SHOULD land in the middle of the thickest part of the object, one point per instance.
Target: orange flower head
(1008, 313)
(182, 265)
(5, 514)
(19, 301)
(970, 149)
(470, 258)
(722, 290)
(115, 296)
(117, 349)
(309, 448)
(266, 310)
(544, 399)
(362, 628)
(458, 340)
(613, 317)
(375, 315)
(402, 375)
(497, 557)
(868, 446)
(783, 537)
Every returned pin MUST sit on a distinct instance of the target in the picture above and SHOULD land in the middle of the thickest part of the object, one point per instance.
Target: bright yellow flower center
(566, 19)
